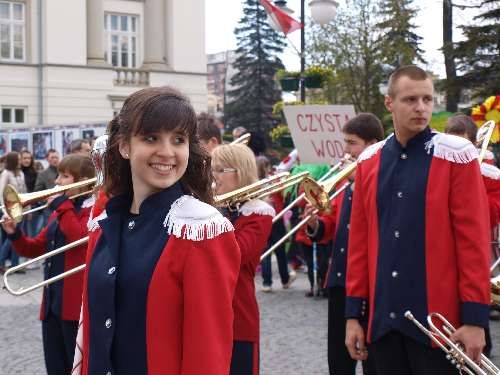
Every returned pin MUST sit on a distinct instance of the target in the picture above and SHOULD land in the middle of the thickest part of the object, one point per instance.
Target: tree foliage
(398, 42)
(349, 47)
(255, 91)
(478, 55)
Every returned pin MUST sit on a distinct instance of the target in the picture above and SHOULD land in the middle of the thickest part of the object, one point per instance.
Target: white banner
(317, 131)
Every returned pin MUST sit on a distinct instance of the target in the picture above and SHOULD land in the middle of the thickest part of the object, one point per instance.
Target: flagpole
(302, 51)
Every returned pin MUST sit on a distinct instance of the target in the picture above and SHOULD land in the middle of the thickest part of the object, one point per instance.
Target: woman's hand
(9, 225)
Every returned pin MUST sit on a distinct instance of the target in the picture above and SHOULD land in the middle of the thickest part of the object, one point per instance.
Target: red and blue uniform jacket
(252, 228)
(66, 224)
(158, 289)
(335, 226)
(419, 235)
(491, 179)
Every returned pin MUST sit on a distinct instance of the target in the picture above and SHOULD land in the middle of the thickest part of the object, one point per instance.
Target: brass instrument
(243, 139)
(454, 352)
(15, 202)
(21, 290)
(483, 136)
(317, 194)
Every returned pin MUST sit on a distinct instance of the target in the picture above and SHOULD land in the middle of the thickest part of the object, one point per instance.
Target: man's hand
(355, 340)
(313, 221)
(472, 338)
(9, 225)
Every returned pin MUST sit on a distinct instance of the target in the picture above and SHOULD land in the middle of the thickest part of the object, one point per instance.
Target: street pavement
(293, 331)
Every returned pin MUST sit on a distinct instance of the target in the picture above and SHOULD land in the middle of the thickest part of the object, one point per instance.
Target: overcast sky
(222, 17)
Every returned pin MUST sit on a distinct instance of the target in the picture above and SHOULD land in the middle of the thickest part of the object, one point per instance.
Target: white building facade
(66, 66)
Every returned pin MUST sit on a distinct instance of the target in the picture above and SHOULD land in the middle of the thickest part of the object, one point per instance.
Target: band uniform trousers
(59, 338)
(245, 359)
(339, 360)
(398, 354)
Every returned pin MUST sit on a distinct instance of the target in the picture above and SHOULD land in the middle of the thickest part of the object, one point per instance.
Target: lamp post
(322, 12)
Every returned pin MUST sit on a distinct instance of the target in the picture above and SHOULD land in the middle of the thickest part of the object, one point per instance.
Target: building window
(121, 33)
(13, 116)
(12, 30)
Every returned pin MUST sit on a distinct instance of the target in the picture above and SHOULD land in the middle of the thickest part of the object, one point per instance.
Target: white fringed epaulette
(490, 171)
(373, 149)
(258, 207)
(194, 220)
(89, 202)
(93, 223)
(452, 148)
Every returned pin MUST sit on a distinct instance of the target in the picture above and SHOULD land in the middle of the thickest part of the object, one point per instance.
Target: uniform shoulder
(258, 207)
(490, 171)
(452, 148)
(372, 149)
(192, 219)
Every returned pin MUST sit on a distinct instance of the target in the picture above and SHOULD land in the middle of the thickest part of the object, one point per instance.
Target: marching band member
(360, 132)
(61, 301)
(234, 167)
(209, 132)
(162, 263)
(418, 240)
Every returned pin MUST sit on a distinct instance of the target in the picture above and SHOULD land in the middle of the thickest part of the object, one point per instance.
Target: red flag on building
(286, 23)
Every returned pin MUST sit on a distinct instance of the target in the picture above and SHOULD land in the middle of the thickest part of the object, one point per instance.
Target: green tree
(255, 90)
(398, 42)
(478, 56)
(349, 47)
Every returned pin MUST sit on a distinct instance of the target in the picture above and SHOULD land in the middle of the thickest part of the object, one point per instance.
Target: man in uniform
(419, 238)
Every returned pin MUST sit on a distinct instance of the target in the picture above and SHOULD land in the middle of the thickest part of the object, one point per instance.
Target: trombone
(243, 139)
(454, 352)
(317, 193)
(21, 291)
(14, 202)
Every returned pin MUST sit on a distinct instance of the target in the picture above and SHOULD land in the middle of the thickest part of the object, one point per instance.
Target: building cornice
(179, 72)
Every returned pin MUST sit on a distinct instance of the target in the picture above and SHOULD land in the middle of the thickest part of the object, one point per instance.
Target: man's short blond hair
(411, 71)
(239, 157)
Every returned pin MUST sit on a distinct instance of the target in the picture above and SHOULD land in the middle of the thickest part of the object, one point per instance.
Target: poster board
(317, 131)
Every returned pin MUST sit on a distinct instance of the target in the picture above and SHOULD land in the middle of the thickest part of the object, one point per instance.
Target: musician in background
(209, 131)
(415, 242)
(360, 132)
(61, 301)
(234, 167)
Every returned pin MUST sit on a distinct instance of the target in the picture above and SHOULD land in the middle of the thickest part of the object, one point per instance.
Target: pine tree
(479, 55)
(255, 91)
(398, 42)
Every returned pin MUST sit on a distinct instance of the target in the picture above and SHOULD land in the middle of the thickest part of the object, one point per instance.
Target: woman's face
(157, 160)
(226, 178)
(25, 159)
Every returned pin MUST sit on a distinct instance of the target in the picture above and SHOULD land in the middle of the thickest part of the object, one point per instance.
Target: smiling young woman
(162, 263)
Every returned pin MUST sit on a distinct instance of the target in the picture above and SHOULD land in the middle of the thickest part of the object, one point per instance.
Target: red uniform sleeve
(493, 191)
(469, 218)
(357, 287)
(209, 280)
(252, 233)
(72, 224)
(329, 222)
(30, 247)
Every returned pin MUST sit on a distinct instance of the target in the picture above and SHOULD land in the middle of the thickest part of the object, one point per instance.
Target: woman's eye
(180, 139)
(150, 138)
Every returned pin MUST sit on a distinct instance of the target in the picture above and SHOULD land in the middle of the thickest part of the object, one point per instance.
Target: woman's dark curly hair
(151, 110)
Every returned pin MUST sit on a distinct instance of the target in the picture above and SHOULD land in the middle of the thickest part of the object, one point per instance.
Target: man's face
(411, 106)
(354, 145)
(53, 159)
(85, 150)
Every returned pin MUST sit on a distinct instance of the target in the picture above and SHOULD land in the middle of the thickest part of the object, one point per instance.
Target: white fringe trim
(89, 202)
(205, 221)
(371, 150)
(93, 223)
(258, 207)
(452, 148)
(490, 171)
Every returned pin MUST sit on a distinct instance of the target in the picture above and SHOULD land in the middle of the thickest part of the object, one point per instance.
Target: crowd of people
(169, 280)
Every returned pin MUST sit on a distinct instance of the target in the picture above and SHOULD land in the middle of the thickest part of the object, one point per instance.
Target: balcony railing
(130, 77)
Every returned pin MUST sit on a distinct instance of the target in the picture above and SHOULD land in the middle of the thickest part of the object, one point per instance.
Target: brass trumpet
(317, 194)
(244, 139)
(454, 352)
(15, 202)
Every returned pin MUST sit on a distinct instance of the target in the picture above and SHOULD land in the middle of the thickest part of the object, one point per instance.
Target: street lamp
(322, 12)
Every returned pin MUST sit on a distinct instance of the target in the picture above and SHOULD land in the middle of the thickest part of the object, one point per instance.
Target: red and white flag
(286, 23)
